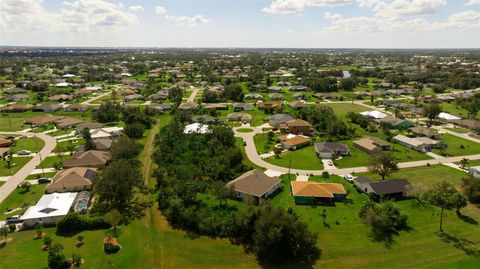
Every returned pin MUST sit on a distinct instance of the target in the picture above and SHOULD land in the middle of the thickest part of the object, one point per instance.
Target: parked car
(330, 163)
(13, 219)
(244, 143)
(24, 152)
(348, 178)
(43, 180)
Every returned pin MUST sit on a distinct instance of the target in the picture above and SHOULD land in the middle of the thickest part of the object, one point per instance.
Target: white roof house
(447, 116)
(417, 143)
(196, 128)
(125, 75)
(49, 208)
(68, 76)
(373, 114)
(63, 84)
(106, 132)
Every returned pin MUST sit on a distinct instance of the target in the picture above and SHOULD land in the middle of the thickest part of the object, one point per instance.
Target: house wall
(42, 221)
(60, 189)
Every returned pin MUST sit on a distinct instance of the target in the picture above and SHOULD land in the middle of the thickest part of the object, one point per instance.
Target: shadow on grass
(467, 219)
(386, 237)
(462, 244)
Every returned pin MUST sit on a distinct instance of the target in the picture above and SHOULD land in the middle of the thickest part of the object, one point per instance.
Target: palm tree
(464, 163)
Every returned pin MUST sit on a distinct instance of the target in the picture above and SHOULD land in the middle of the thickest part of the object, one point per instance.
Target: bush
(110, 248)
(12, 228)
(74, 222)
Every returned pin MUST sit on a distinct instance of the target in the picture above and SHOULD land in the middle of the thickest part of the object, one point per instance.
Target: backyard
(304, 158)
(458, 146)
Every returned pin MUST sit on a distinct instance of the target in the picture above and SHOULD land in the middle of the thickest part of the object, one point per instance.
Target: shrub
(110, 248)
(74, 222)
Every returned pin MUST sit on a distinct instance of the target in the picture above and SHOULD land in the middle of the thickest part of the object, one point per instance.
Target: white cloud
(367, 3)
(472, 2)
(290, 32)
(295, 6)
(192, 21)
(136, 8)
(160, 10)
(399, 8)
(340, 24)
(75, 16)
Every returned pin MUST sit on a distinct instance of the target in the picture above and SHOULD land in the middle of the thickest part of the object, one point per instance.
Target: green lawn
(47, 175)
(64, 144)
(33, 144)
(16, 199)
(12, 123)
(246, 161)
(17, 164)
(342, 109)
(262, 144)
(50, 161)
(458, 146)
(459, 130)
(304, 158)
(245, 130)
(451, 108)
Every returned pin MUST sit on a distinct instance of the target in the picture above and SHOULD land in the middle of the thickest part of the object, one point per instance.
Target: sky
(242, 23)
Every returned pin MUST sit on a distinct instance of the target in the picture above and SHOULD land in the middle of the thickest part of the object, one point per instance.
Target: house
(394, 188)
(87, 125)
(106, 132)
(90, 158)
(417, 143)
(47, 107)
(298, 88)
(274, 89)
(396, 122)
(17, 108)
(240, 116)
(372, 144)
(216, 106)
(274, 105)
(254, 96)
(299, 96)
(160, 95)
(188, 106)
(293, 142)
(279, 119)
(43, 120)
(424, 131)
(72, 180)
(75, 107)
(297, 126)
(18, 98)
(297, 104)
(63, 85)
(255, 184)
(242, 107)
(103, 144)
(5, 143)
(327, 150)
(196, 128)
(276, 96)
(49, 209)
(470, 124)
(373, 114)
(161, 107)
(133, 97)
(15, 91)
(474, 171)
(309, 192)
(60, 98)
(446, 116)
(203, 119)
(68, 122)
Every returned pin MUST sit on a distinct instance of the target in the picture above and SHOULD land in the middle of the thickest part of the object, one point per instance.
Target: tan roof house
(256, 184)
(72, 180)
(91, 158)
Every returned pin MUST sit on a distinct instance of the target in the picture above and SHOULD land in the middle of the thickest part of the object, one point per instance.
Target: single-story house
(100, 144)
(133, 97)
(417, 143)
(47, 107)
(240, 116)
(394, 188)
(161, 107)
(326, 150)
(424, 131)
(256, 184)
(262, 105)
(42, 120)
(5, 143)
(72, 180)
(17, 108)
(448, 117)
(396, 122)
(242, 106)
(18, 98)
(90, 158)
(297, 104)
(15, 91)
(203, 119)
(279, 119)
(467, 123)
(196, 128)
(374, 114)
(106, 132)
(49, 209)
(297, 126)
(309, 192)
(60, 98)
(474, 171)
(276, 96)
(68, 122)
(188, 106)
(299, 88)
(87, 125)
(253, 96)
(274, 89)
(216, 106)
(371, 144)
(76, 107)
(293, 142)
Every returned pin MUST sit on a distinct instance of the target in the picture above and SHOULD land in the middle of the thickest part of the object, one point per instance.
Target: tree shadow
(467, 219)
(387, 237)
(462, 244)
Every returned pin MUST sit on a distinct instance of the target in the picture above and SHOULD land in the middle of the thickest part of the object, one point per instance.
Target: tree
(277, 151)
(134, 130)
(25, 186)
(114, 217)
(222, 192)
(47, 241)
(471, 189)
(106, 112)
(442, 146)
(4, 232)
(80, 238)
(71, 147)
(125, 148)
(431, 111)
(384, 163)
(76, 259)
(175, 94)
(464, 163)
(89, 145)
(445, 196)
(56, 258)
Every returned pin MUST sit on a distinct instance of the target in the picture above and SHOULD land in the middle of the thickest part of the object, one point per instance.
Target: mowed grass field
(304, 158)
(458, 146)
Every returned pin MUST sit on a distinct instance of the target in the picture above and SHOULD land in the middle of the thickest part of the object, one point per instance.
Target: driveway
(192, 96)
(28, 168)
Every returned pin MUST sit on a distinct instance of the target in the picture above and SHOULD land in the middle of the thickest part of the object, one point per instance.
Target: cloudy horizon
(241, 23)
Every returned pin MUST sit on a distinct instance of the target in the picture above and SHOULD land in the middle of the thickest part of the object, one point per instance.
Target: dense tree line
(325, 121)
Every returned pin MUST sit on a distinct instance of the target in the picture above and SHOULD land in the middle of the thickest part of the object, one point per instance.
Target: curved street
(12, 183)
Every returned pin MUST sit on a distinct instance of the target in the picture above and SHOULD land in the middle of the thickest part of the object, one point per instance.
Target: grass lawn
(458, 146)
(304, 158)
(342, 109)
(33, 144)
(50, 161)
(245, 130)
(16, 199)
(459, 130)
(64, 144)
(246, 161)
(347, 243)
(262, 144)
(451, 108)
(12, 123)
(17, 164)
(47, 175)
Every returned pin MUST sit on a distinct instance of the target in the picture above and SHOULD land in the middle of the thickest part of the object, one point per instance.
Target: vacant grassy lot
(451, 108)
(12, 123)
(33, 144)
(342, 109)
(304, 158)
(18, 198)
(17, 164)
(262, 144)
(50, 161)
(458, 146)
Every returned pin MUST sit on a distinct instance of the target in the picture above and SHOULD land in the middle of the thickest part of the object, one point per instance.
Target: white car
(24, 152)
(330, 163)
(348, 178)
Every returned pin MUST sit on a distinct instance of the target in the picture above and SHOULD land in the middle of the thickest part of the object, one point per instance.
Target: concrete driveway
(23, 173)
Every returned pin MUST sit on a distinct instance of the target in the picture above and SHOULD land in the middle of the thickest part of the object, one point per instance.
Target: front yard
(304, 158)
(458, 146)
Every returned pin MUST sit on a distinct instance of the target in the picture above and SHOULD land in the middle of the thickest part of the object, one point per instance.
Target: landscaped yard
(245, 130)
(458, 146)
(47, 175)
(17, 198)
(64, 144)
(304, 158)
(262, 144)
(50, 161)
(17, 164)
(33, 144)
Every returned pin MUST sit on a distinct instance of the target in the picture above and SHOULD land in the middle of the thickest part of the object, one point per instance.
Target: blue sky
(242, 23)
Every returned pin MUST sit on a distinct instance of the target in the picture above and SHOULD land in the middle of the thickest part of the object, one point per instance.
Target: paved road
(28, 168)
(88, 101)
(192, 96)
(255, 158)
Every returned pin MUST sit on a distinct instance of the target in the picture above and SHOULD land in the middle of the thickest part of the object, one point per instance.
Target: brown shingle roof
(71, 179)
(91, 158)
(254, 183)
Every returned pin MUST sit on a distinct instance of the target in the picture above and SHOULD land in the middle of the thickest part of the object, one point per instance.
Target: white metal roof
(196, 128)
(51, 205)
(447, 116)
(374, 114)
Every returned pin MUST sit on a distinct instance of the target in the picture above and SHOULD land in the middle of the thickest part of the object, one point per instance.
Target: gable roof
(298, 123)
(254, 182)
(72, 178)
(315, 189)
(389, 186)
(330, 147)
(88, 158)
